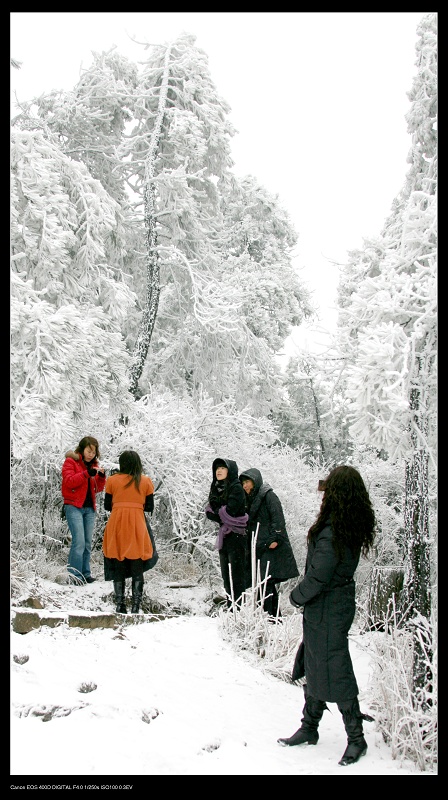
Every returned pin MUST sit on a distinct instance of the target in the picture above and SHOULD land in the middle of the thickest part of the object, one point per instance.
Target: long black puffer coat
(327, 594)
(265, 509)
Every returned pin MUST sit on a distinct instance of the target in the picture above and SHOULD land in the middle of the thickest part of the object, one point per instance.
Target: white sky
(209, 710)
(319, 100)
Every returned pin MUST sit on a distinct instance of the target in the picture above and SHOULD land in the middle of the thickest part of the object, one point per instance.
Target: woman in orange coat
(127, 547)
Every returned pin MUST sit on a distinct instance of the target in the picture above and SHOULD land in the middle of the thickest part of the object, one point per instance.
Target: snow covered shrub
(178, 567)
(178, 439)
(21, 574)
(253, 631)
(295, 481)
(406, 716)
(38, 536)
(384, 480)
(270, 644)
(386, 585)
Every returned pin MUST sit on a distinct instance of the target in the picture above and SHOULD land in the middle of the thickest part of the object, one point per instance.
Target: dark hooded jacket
(227, 493)
(327, 594)
(265, 510)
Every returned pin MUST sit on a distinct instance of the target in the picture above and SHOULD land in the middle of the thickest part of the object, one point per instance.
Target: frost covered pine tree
(388, 329)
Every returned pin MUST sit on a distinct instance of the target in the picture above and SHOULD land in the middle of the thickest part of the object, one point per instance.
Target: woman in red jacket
(82, 479)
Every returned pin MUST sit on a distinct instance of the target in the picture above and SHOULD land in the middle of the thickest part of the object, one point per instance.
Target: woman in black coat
(273, 549)
(227, 505)
(342, 531)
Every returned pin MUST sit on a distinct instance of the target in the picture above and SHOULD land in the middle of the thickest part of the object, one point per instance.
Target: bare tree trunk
(416, 596)
(317, 414)
(307, 369)
(152, 256)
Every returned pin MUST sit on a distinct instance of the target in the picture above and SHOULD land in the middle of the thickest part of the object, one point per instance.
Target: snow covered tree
(67, 303)
(212, 254)
(388, 331)
(177, 150)
(202, 337)
(90, 122)
(258, 245)
(313, 414)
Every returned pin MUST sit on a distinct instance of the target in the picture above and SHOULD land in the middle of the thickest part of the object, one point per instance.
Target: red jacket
(76, 481)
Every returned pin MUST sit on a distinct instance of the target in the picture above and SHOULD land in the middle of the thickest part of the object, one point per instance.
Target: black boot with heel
(120, 602)
(137, 591)
(356, 744)
(312, 715)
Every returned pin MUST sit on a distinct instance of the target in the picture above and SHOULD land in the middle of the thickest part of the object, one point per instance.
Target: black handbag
(155, 556)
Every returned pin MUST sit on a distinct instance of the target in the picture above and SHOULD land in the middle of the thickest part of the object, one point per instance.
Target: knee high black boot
(312, 715)
(137, 591)
(119, 589)
(356, 744)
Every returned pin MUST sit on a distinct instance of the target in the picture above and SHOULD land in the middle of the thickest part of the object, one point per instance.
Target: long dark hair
(130, 464)
(86, 442)
(346, 505)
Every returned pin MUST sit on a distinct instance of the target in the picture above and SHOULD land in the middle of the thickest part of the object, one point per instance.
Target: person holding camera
(82, 479)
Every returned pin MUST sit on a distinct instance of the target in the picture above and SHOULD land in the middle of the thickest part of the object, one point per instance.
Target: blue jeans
(81, 522)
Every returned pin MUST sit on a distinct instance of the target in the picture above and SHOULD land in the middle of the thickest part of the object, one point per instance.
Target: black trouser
(233, 555)
(269, 588)
(271, 603)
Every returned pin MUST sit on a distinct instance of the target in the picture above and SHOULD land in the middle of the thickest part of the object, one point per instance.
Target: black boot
(137, 591)
(119, 589)
(312, 715)
(356, 744)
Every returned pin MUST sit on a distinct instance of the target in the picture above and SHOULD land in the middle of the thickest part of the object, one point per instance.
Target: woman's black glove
(92, 471)
(294, 602)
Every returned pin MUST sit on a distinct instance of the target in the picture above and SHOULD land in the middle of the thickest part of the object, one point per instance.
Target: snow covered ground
(165, 698)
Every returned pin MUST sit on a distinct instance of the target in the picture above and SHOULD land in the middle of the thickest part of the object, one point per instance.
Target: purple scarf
(236, 524)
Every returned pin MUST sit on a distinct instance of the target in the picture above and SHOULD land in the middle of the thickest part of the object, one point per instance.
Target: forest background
(151, 290)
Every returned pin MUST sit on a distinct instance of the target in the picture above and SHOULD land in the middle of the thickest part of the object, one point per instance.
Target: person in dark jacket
(272, 549)
(342, 531)
(227, 505)
(82, 479)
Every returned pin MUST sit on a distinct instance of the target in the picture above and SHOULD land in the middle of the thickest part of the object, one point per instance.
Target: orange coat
(126, 534)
